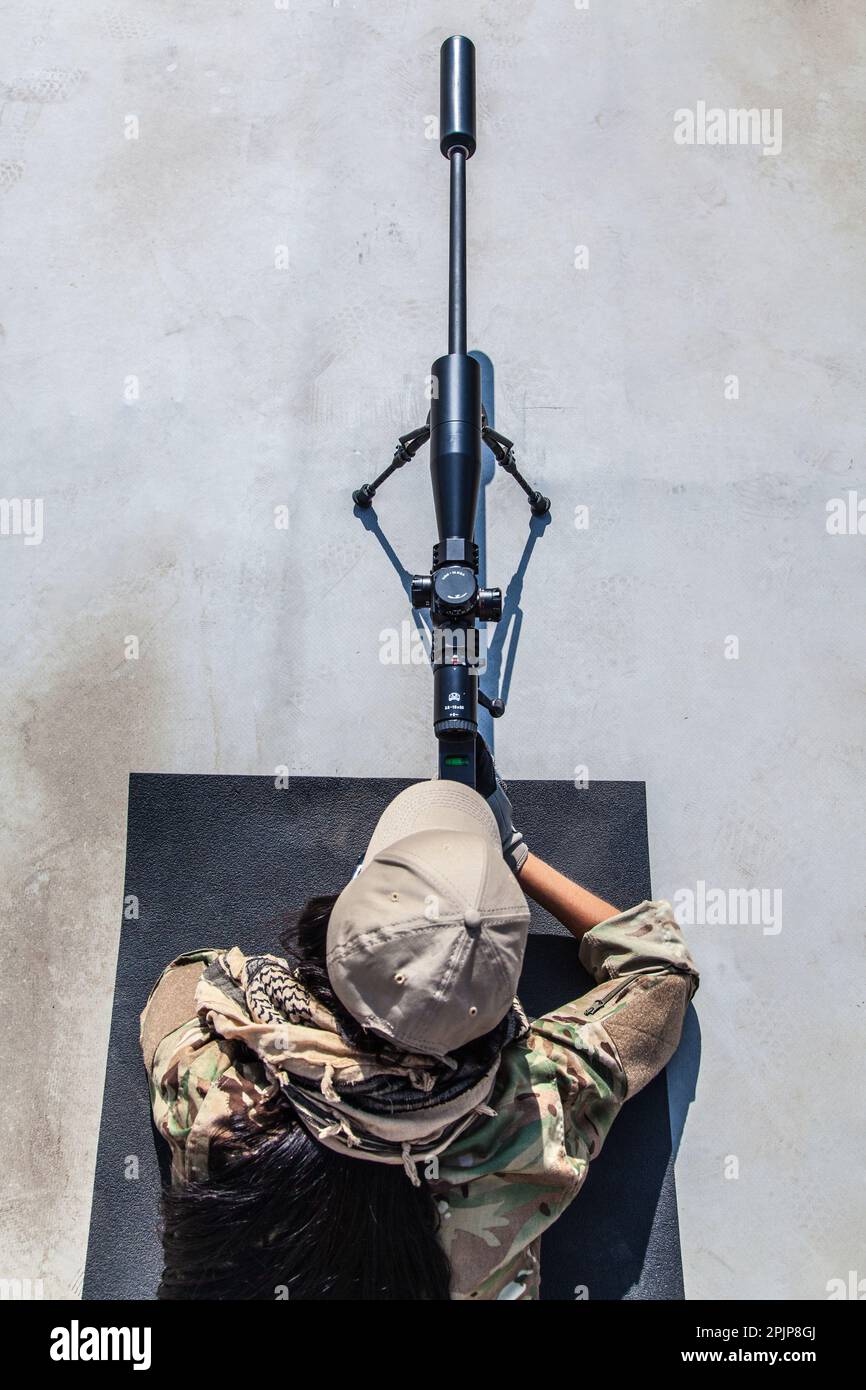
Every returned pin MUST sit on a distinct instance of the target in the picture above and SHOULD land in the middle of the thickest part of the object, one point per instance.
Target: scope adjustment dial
(455, 588)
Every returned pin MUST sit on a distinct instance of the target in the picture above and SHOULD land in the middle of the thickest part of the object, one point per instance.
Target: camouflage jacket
(558, 1090)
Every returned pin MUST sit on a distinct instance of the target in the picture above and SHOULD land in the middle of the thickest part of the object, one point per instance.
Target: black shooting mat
(216, 861)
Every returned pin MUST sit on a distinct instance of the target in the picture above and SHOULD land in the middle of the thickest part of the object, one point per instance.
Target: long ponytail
(283, 1217)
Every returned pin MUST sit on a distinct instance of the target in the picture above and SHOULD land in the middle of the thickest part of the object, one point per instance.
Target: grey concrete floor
(166, 386)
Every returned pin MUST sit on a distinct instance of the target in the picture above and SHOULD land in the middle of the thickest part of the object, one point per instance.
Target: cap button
(471, 918)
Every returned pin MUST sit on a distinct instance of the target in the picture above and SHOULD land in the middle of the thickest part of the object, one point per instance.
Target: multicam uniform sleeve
(646, 980)
(506, 1181)
(183, 1061)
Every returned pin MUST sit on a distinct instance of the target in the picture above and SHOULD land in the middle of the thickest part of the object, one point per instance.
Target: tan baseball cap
(425, 944)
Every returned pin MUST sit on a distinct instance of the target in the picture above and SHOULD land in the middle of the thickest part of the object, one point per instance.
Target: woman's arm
(576, 908)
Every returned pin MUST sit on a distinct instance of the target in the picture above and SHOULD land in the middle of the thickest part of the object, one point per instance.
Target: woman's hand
(495, 793)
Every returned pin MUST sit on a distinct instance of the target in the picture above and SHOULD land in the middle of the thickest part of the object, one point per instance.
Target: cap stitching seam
(394, 930)
(412, 863)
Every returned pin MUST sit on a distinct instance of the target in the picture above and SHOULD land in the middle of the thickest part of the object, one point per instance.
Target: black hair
(282, 1216)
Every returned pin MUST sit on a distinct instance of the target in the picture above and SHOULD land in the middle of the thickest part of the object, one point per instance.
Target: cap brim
(436, 805)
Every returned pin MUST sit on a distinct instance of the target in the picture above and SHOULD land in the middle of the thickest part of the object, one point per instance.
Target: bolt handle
(495, 706)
